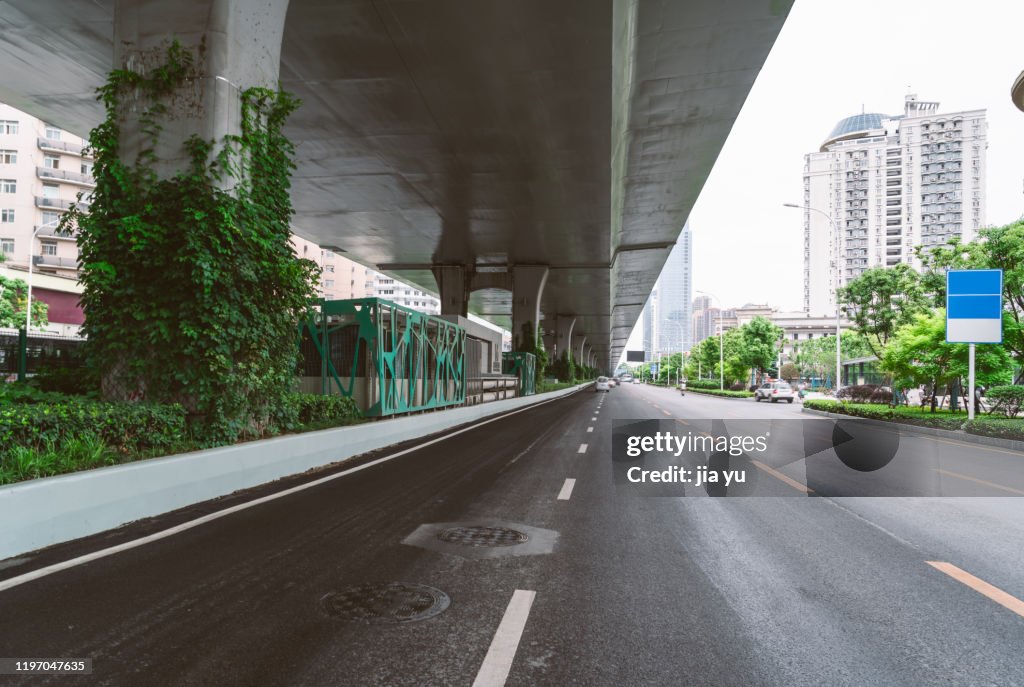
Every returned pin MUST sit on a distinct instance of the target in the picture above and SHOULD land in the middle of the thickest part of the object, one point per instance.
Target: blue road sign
(974, 306)
(654, 369)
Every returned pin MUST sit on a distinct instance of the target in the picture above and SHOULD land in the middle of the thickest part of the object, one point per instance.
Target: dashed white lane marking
(981, 586)
(583, 448)
(566, 490)
(593, 419)
(498, 661)
(590, 429)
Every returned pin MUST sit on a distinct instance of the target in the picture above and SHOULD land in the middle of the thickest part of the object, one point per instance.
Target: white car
(602, 384)
(775, 391)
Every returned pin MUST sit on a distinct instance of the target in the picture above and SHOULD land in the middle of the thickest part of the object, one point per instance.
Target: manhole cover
(483, 536)
(386, 603)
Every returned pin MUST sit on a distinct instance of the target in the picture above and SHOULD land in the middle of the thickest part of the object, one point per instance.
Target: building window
(7, 215)
(8, 186)
(7, 246)
(328, 268)
(8, 126)
(86, 168)
(49, 248)
(51, 162)
(52, 133)
(329, 284)
(8, 157)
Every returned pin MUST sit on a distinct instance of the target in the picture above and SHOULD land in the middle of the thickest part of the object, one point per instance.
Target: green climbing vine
(192, 291)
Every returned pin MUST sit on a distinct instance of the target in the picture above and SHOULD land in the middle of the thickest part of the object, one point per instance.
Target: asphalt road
(808, 590)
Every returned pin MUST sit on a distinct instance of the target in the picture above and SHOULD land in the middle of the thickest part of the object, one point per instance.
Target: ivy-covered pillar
(527, 288)
(235, 45)
(192, 292)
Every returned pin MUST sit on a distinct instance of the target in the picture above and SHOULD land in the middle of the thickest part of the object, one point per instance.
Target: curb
(960, 435)
(51, 510)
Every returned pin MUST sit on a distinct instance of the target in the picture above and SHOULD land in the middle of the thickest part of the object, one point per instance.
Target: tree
(881, 300)
(759, 341)
(817, 357)
(919, 354)
(789, 372)
(13, 295)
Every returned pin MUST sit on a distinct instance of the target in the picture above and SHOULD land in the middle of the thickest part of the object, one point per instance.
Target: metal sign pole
(970, 382)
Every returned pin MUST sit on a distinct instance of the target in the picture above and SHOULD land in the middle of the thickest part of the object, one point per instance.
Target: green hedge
(909, 416)
(710, 384)
(1001, 427)
(718, 392)
(301, 410)
(123, 426)
(1007, 400)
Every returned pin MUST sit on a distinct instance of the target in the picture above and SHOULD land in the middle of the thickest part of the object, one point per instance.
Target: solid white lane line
(590, 429)
(981, 586)
(566, 490)
(583, 448)
(498, 661)
(177, 529)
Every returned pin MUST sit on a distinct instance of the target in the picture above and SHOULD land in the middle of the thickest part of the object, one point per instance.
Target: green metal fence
(524, 366)
(389, 358)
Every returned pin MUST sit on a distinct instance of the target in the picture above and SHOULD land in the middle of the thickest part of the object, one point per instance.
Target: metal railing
(65, 175)
(59, 146)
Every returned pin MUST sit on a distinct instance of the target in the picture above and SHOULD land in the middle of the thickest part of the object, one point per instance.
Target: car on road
(775, 391)
(602, 384)
(612, 382)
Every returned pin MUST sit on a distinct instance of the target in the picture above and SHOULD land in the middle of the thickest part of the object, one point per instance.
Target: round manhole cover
(386, 603)
(483, 536)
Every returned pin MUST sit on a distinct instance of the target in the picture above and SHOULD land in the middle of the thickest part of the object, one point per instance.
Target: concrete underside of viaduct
(492, 138)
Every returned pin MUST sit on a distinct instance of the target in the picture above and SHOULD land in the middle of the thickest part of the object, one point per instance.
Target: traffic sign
(654, 369)
(974, 306)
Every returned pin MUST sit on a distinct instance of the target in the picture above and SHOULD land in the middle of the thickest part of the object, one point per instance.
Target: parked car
(612, 381)
(602, 384)
(775, 391)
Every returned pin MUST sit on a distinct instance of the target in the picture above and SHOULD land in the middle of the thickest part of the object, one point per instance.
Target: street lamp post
(721, 342)
(835, 231)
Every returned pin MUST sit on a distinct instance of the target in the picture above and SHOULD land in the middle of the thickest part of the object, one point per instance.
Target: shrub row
(311, 409)
(877, 412)
(1001, 427)
(126, 427)
(865, 393)
(710, 384)
(718, 392)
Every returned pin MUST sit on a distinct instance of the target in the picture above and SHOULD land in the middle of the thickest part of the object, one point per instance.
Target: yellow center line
(980, 586)
(779, 476)
(980, 481)
(683, 422)
(914, 435)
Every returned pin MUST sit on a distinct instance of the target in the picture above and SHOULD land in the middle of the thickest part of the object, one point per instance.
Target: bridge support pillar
(453, 286)
(236, 44)
(563, 333)
(579, 340)
(527, 288)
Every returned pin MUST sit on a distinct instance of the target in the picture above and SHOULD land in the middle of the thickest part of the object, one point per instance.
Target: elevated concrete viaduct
(528, 161)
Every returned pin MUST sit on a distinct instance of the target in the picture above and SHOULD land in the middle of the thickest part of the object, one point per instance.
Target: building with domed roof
(881, 184)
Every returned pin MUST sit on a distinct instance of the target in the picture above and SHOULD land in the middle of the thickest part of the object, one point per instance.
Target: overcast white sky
(830, 59)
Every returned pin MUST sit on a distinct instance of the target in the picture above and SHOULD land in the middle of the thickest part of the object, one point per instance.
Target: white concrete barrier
(51, 510)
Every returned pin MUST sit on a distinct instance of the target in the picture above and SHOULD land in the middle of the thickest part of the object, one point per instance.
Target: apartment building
(882, 185)
(43, 169)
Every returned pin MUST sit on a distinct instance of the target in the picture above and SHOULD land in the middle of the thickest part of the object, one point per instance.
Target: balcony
(48, 144)
(53, 203)
(55, 261)
(66, 176)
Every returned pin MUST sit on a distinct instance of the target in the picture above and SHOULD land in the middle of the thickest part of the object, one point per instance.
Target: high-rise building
(703, 318)
(390, 289)
(883, 184)
(42, 170)
(649, 323)
(675, 296)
